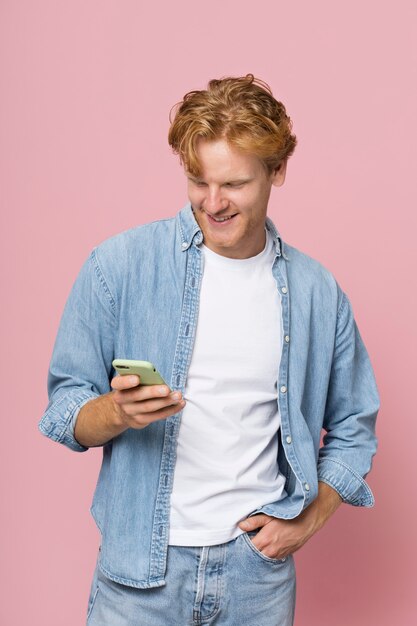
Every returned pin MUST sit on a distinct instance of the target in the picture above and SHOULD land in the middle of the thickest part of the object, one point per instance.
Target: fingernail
(162, 390)
(176, 396)
(245, 524)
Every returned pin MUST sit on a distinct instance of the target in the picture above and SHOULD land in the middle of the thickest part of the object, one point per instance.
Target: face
(230, 198)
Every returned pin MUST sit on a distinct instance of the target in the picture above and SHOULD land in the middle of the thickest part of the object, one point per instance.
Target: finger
(261, 541)
(150, 406)
(153, 391)
(142, 420)
(266, 544)
(270, 550)
(147, 392)
(125, 382)
(254, 521)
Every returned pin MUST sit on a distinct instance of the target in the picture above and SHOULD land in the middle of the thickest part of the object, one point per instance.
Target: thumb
(254, 521)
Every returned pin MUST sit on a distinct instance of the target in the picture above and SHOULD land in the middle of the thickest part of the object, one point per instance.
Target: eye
(234, 185)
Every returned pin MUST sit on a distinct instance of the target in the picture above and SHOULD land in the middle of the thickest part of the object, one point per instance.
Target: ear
(278, 175)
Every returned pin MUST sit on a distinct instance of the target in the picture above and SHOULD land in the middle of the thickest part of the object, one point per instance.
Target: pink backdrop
(85, 92)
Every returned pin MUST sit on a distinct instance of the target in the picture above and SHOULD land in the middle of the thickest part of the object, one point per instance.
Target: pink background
(86, 88)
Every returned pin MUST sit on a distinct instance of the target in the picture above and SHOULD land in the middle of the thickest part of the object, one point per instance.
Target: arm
(279, 538)
(98, 421)
(351, 409)
(80, 366)
(82, 410)
(130, 405)
(348, 447)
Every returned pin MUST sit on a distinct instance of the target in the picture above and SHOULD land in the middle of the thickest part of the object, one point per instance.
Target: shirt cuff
(350, 486)
(58, 422)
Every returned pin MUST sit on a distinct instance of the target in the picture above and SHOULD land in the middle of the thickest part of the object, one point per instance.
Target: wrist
(115, 416)
(319, 511)
(328, 501)
(98, 421)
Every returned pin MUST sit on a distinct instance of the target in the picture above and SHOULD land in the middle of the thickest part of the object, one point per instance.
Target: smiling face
(230, 198)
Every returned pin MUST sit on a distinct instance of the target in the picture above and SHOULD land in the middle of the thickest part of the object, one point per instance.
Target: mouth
(221, 221)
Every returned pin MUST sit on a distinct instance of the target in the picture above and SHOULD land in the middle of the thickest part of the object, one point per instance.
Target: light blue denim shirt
(137, 297)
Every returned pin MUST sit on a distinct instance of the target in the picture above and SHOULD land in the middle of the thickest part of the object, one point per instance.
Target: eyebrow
(237, 181)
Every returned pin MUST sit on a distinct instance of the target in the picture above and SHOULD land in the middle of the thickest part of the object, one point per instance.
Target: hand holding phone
(141, 394)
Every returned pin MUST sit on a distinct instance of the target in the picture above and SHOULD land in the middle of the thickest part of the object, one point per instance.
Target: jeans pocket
(91, 601)
(248, 539)
(94, 589)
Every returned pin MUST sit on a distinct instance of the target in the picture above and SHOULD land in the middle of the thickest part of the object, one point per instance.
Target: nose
(214, 202)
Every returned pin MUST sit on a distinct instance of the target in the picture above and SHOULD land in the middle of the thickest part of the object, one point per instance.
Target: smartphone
(148, 373)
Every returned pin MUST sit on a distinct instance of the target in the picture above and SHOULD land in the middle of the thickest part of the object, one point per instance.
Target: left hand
(278, 537)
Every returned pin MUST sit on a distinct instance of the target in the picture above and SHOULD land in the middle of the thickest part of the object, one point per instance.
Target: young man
(209, 486)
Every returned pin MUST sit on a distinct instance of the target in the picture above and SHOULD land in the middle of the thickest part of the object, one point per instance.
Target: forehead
(219, 158)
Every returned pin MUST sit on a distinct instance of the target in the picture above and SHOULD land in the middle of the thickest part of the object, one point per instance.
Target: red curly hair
(241, 110)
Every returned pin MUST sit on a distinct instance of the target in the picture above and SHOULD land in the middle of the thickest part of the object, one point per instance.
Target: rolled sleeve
(80, 366)
(349, 485)
(58, 422)
(351, 409)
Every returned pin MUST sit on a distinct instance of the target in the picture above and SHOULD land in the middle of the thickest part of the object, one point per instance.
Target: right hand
(139, 405)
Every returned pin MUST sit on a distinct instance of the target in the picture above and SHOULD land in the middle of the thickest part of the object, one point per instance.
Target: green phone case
(148, 373)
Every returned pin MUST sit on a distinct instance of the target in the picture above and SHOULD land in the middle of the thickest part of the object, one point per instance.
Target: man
(209, 486)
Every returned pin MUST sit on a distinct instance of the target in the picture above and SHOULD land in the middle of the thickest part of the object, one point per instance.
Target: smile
(220, 220)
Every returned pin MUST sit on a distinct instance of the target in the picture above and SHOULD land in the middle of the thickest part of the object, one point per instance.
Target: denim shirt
(137, 297)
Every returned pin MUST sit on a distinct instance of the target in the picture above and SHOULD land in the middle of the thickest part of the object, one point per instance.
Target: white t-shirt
(226, 463)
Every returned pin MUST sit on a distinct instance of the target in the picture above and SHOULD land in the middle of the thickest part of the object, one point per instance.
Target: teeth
(222, 219)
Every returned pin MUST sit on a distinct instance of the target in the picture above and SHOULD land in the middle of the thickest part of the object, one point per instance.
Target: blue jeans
(230, 584)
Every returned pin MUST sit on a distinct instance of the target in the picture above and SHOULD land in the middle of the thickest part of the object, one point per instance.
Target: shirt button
(306, 486)
(288, 439)
(184, 244)
(287, 338)
(284, 290)
(283, 389)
